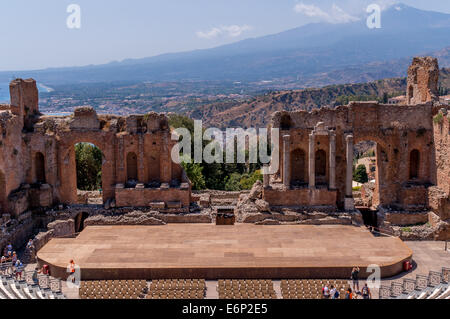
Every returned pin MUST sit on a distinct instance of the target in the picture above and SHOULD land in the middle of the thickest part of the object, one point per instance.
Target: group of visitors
(333, 293)
(10, 263)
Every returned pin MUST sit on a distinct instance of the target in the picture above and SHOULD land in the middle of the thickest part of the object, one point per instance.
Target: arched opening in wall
(79, 221)
(321, 167)
(414, 164)
(2, 192)
(365, 180)
(39, 168)
(88, 158)
(410, 92)
(298, 168)
(154, 169)
(132, 171)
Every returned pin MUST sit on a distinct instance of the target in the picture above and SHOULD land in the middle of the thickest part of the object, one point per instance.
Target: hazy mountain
(299, 54)
(257, 112)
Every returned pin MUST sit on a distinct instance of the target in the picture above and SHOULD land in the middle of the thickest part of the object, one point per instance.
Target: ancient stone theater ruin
(38, 166)
(412, 157)
(313, 186)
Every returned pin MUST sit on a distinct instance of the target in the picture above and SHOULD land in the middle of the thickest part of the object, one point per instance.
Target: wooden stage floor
(213, 252)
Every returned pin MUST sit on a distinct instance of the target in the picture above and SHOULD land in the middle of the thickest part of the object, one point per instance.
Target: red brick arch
(67, 165)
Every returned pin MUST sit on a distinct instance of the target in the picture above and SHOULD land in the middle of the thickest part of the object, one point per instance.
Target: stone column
(266, 177)
(141, 173)
(332, 182)
(286, 161)
(165, 159)
(349, 203)
(312, 161)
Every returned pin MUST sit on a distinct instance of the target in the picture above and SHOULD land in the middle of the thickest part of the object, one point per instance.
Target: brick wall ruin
(399, 131)
(38, 169)
(412, 151)
(37, 160)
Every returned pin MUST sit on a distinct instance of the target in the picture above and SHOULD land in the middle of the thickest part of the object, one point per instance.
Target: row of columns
(349, 203)
(312, 162)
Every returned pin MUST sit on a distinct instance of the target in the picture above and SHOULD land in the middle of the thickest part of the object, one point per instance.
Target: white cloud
(385, 4)
(310, 10)
(232, 31)
(335, 15)
(340, 16)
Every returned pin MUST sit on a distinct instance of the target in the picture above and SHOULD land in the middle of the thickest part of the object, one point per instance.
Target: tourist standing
(30, 244)
(46, 270)
(326, 292)
(334, 293)
(9, 248)
(72, 270)
(349, 294)
(354, 277)
(14, 258)
(35, 275)
(366, 292)
(19, 270)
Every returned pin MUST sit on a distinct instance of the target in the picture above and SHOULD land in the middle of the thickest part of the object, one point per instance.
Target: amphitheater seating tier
(311, 288)
(434, 286)
(10, 288)
(246, 289)
(177, 289)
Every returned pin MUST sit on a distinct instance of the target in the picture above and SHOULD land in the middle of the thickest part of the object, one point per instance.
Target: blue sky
(34, 35)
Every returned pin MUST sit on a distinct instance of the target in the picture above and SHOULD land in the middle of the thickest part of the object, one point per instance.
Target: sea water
(4, 91)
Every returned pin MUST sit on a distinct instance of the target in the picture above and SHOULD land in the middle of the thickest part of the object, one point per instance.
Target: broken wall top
(358, 115)
(86, 119)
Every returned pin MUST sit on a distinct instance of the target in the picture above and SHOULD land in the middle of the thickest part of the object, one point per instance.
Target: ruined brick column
(165, 159)
(141, 173)
(332, 182)
(266, 176)
(286, 161)
(312, 163)
(349, 203)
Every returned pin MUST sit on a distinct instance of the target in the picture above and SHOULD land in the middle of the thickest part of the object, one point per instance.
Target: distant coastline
(4, 91)
(45, 87)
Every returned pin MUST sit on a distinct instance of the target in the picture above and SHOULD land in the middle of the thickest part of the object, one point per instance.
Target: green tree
(195, 174)
(360, 174)
(220, 176)
(248, 180)
(232, 182)
(89, 166)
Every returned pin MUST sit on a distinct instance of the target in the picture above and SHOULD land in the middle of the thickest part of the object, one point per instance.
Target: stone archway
(39, 168)
(132, 167)
(414, 164)
(298, 167)
(67, 164)
(375, 169)
(154, 167)
(88, 162)
(321, 167)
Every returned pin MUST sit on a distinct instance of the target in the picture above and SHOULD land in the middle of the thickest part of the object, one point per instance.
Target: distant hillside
(257, 111)
(312, 55)
(444, 78)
